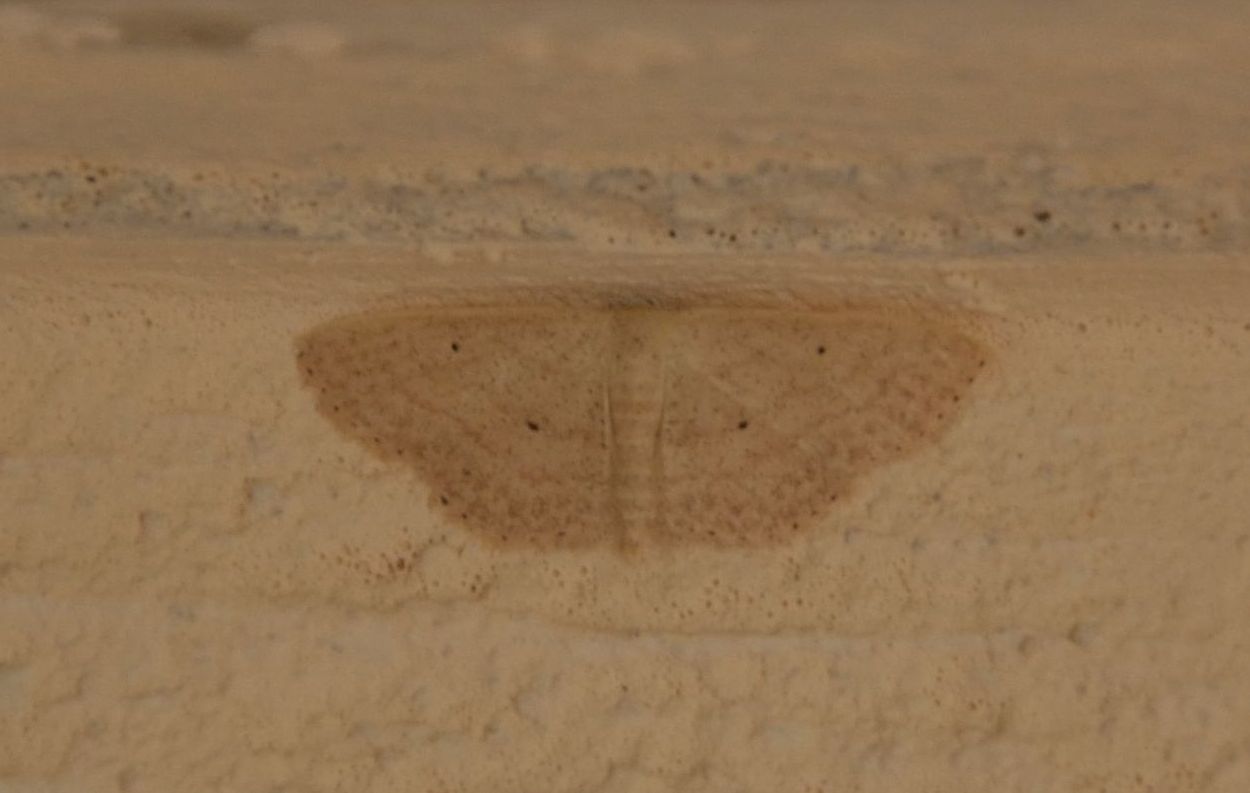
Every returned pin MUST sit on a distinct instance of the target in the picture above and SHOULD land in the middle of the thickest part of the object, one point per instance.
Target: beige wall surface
(208, 582)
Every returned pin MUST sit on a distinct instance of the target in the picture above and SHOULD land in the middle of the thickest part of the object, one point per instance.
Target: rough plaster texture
(201, 584)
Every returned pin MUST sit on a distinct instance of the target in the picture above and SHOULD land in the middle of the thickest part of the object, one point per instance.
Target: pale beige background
(193, 587)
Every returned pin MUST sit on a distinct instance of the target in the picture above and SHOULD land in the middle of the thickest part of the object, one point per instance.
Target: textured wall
(205, 584)
(200, 589)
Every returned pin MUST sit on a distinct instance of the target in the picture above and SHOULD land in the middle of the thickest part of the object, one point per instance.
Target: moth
(631, 426)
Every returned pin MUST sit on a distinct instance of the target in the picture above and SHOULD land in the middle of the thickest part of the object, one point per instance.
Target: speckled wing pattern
(771, 416)
(500, 413)
(634, 427)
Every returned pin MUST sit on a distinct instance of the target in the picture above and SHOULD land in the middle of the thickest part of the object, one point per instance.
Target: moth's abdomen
(635, 408)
